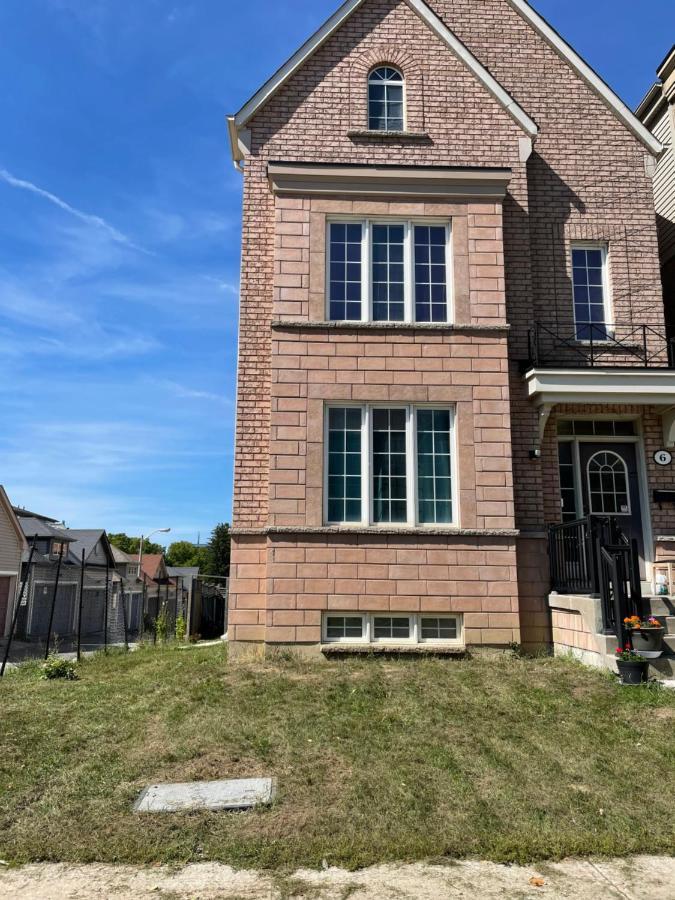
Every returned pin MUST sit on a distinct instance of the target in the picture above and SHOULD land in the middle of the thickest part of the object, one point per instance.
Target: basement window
(392, 628)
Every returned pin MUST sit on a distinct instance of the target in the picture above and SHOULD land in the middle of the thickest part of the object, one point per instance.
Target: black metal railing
(596, 345)
(593, 556)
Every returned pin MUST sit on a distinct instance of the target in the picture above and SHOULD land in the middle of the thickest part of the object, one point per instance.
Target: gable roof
(13, 520)
(86, 539)
(611, 99)
(277, 81)
(31, 527)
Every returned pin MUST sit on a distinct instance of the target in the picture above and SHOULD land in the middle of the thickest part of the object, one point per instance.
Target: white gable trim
(338, 18)
(612, 100)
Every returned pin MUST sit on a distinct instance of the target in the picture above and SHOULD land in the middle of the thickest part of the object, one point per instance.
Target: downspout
(237, 156)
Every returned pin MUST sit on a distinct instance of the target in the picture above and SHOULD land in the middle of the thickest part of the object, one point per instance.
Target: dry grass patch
(378, 760)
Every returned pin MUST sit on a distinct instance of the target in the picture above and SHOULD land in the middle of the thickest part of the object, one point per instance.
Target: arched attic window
(386, 99)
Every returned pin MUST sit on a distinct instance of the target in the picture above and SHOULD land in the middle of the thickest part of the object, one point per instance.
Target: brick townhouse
(451, 333)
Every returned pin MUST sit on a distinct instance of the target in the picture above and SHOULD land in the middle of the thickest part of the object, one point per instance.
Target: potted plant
(632, 667)
(646, 636)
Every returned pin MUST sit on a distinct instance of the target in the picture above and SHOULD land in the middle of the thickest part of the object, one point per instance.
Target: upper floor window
(592, 311)
(389, 271)
(385, 100)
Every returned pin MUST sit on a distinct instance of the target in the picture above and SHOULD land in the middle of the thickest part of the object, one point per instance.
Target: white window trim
(412, 626)
(415, 620)
(606, 288)
(403, 82)
(365, 639)
(412, 520)
(408, 263)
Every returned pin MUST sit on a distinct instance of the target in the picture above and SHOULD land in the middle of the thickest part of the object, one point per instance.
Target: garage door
(64, 610)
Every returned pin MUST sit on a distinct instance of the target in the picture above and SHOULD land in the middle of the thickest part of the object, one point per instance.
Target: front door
(610, 487)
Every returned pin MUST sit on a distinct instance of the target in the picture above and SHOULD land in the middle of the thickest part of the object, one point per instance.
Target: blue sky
(119, 237)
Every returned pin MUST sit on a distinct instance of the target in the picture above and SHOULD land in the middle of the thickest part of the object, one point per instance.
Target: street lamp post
(140, 549)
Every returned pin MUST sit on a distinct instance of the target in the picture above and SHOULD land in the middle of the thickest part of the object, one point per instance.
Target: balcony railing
(596, 345)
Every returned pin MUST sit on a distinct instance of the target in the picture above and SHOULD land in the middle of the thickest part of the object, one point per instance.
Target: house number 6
(663, 457)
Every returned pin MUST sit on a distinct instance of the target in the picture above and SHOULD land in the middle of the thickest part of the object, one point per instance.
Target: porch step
(658, 605)
(663, 667)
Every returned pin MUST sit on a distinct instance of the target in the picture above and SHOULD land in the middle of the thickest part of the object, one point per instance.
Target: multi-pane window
(590, 286)
(608, 484)
(343, 628)
(344, 464)
(389, 271)
(389, 437)
(389, 465)
(438, 628)
(391, 628)
(402, 628)
(434, 487)
(345, 276)
(431, 293)
(598, 427)
(385, 100)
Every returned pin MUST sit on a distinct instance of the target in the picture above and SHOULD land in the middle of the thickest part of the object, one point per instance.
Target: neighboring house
(451, 336)
(12, 546)
(657, 112)
(52, 542)
(128, 570)
(184, 577)
(99, 570)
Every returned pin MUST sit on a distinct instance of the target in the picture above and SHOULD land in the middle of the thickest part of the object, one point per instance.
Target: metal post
(15, 617)
(144, 597)
(105, 622)
(644, 344)
(175, 608)
(124, 617)
(79, 614)
(51, 612)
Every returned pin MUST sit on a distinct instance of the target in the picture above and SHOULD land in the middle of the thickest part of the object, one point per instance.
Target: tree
(185, 553)
(218, 551)
(131, 544)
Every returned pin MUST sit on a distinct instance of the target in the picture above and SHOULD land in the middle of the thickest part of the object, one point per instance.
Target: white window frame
(414, 618)
(458, 619)
(412, 500)
(606, 289)
(404, 84)
(409, 224)
(332, 614)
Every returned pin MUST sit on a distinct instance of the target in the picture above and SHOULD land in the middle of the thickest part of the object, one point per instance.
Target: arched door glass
(608, 489)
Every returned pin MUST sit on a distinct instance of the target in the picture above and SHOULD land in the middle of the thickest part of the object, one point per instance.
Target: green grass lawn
(377, 759)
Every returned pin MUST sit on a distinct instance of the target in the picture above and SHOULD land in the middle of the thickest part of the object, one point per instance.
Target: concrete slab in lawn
(238, 793)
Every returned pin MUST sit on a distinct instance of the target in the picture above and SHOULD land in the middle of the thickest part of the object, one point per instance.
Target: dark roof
(32, 526)
(27, 514)
(86, 539)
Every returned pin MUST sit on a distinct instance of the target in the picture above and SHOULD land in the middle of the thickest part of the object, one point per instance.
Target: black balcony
(599, 345)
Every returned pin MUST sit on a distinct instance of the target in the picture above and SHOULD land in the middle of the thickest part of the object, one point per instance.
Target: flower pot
(648, 642)
(632, 672)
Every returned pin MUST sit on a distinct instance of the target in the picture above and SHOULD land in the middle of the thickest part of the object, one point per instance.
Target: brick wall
(586, 179)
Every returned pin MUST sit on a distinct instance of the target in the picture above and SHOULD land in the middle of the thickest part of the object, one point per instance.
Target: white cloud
(88, 218)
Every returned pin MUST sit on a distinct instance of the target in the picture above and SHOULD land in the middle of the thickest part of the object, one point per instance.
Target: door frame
(641, 458)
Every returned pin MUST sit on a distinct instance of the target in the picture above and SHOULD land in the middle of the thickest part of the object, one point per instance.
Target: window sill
(393, 136)
(325, 325)
(458, 650)
(374, 530)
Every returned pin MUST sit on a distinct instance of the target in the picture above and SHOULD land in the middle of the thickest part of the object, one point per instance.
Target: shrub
(181, 628)
(57, 667)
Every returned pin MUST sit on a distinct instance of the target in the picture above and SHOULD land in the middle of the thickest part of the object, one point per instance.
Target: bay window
(389, 271)
(389, 465)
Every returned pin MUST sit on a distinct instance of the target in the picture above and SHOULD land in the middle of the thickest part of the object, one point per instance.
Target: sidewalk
(639, 878)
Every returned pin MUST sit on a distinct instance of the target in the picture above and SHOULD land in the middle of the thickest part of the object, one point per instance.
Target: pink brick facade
(585, 180)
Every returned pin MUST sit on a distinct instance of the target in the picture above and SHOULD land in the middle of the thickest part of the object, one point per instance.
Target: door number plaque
(663, 457)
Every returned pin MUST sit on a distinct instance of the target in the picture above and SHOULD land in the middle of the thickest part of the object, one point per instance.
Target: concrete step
(663, 667)
(660, 605)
